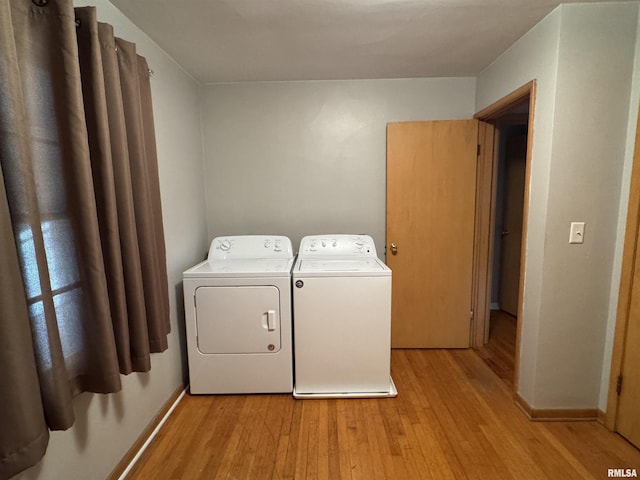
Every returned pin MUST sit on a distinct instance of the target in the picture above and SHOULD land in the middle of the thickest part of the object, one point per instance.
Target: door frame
(485, 220)
(626, 284)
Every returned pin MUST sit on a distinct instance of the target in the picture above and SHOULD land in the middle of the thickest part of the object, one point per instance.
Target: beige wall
(582, 57)
(301, 158)
(107, 425)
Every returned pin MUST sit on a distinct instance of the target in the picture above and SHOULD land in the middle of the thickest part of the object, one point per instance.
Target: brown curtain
(83, 283)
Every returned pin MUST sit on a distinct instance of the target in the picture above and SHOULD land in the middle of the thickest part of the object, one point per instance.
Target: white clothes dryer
(342, 319)
(238, 316)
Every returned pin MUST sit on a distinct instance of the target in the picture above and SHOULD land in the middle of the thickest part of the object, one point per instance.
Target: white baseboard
(153, 435)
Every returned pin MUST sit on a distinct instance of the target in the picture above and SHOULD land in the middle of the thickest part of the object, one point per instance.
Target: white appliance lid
(239, 267)
(340, 265)
(250, 246)
(337, 245)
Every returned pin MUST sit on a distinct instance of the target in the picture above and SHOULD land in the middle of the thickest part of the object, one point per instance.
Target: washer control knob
(299, 283)
(225, 245)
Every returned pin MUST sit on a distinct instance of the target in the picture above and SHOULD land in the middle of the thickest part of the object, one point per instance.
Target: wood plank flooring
(499, 353)
(453, 419)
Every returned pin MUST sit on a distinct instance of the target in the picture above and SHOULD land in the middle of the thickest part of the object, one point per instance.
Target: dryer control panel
(250, 246)
(337, 245)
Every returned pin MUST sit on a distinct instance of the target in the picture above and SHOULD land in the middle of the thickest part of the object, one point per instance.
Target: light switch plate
(576, 232)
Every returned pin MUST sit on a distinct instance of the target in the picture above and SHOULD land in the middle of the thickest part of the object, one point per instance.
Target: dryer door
(238, 319)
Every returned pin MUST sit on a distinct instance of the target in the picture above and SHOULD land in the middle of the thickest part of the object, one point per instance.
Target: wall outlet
(576, 232)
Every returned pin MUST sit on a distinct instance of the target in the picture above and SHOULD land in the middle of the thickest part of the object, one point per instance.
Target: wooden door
(628, 415)
(431, 191)
(623, 408)
(515, 163)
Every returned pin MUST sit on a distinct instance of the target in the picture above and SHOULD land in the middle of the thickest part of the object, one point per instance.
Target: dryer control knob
(299, 283)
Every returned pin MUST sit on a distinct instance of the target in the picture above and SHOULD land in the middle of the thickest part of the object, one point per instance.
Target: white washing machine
(342, 319)
(238, 316)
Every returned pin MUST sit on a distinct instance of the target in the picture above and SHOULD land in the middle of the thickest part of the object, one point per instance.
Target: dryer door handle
(271, 320)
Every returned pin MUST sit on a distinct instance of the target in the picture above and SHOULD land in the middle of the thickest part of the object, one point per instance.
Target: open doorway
(512, 119)
(499, 349)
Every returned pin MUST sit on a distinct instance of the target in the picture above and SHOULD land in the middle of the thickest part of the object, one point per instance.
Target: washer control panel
(337, 245)
(250, 246)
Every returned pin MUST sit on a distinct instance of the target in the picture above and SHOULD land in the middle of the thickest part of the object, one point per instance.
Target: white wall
(107, 425)
(300, 158)
(582, 58)
(595, 67)
(622, 221)
(534, 56)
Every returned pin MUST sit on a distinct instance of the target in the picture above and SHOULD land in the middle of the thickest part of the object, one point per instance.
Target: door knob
(394, 249)
(506, 232)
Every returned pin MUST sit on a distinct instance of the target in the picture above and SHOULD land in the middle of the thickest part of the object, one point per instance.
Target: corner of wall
(532, 57)
(634, 105)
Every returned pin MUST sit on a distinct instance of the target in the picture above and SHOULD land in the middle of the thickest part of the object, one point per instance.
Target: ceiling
(266, 40)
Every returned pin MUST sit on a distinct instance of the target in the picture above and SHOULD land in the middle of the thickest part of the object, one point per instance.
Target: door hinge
(471, 315)
(478, 149)
(619, 385)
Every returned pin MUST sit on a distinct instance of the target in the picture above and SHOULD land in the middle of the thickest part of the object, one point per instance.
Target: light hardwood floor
(453, 419)
(499, 353)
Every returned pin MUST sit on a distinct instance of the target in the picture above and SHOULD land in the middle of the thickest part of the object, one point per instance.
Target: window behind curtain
(62, 197)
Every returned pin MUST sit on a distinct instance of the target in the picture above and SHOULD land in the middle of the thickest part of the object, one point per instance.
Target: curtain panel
(83, 282)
